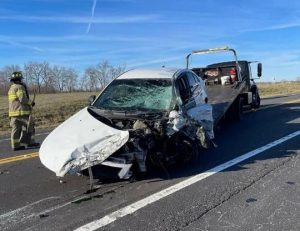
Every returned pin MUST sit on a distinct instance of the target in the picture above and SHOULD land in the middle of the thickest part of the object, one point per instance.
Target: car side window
(194, 82)
(192, 79)
(184, 88)
(199, 80)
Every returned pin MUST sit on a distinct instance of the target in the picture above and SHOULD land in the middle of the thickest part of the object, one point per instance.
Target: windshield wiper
(99, 116)
(147, 115)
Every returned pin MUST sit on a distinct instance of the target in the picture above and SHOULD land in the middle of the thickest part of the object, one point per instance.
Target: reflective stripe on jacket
(19, 103)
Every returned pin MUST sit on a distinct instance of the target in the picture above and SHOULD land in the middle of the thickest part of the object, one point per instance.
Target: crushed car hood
(80, 142)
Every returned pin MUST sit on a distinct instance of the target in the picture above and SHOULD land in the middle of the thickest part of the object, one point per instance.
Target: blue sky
(136, 33)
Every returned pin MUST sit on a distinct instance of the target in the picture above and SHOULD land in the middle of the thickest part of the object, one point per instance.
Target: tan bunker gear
(21, 122)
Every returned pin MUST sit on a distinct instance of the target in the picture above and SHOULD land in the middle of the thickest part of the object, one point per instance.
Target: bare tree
(82, 83)
(104, 71)
(43, 77)
(4, 83)
(35, 73)
(102, 74)
(58, 75)
(117, 71)
(90, 79)
(107, 72)
(48, 83)
(71, 79)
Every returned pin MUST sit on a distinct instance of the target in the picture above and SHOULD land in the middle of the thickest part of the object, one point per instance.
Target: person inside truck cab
(232, 74)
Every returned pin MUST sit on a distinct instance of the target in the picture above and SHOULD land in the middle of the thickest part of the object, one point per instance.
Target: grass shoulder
(53, 109)
(50, 109)
(279, 88)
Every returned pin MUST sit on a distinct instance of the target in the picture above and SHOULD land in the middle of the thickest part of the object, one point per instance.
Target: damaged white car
(143, 117)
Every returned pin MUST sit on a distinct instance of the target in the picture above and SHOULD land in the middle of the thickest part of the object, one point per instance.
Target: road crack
(178, 224)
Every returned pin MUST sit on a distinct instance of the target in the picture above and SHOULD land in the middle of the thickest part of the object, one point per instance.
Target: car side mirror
(259, 69)
(91, 99)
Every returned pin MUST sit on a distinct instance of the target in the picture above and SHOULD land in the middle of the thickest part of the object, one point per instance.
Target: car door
(191, 90)
(194, 98)
(197, 88)
(184, 88)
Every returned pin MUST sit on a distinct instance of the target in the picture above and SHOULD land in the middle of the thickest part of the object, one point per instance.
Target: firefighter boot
(18, 148)
(33, 145)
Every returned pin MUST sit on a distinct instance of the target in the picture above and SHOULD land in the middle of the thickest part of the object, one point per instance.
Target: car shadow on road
(234, 139)
(257, 129)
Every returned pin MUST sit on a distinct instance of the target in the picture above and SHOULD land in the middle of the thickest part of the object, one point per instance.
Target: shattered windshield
(136, 94)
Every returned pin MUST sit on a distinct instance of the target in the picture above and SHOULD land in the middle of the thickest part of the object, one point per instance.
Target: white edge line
(23, 209)
(164, 193)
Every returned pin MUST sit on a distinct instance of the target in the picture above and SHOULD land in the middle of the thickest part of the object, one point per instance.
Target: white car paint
(150, 73)
(80, 142)
(83, 141)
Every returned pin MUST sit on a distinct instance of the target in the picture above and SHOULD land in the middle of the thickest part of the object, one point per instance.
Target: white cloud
(84, 20)
(92, 16)
(161, 61)
(275, 27)
(21, 45)
(68, 38)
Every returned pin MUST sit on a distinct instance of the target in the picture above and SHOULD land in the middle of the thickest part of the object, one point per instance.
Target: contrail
(92, 16)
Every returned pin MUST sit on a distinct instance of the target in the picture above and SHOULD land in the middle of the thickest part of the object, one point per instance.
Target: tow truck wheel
(257, 103)
(255, 97)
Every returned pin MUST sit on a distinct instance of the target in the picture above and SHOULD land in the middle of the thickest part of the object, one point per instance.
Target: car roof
(150, 73)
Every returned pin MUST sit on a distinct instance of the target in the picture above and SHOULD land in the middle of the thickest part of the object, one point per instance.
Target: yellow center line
(18, 158)
(292, 101)
(36, 154)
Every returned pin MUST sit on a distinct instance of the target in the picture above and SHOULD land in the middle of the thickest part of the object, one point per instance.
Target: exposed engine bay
(160, 139)
(143, 118)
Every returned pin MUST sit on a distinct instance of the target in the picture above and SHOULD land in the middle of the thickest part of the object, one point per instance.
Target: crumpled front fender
(80, 142)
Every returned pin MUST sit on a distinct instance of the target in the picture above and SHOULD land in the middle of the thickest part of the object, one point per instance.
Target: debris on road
(62, 181)
(4, 172)
(43, 215)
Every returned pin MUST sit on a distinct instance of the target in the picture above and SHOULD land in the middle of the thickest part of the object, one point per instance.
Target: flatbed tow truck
(151, 117)
(229, 85)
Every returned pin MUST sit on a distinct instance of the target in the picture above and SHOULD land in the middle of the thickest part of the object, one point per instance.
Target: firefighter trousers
(23, 130)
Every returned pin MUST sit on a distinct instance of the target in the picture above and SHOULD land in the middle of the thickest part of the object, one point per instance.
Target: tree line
(41, 77)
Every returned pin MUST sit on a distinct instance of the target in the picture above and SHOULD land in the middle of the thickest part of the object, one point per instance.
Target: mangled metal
(151, 117)
(134, 122)
(80, 142)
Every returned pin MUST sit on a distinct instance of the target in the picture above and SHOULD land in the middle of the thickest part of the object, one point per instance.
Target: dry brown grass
(281, 88)
(50, 109)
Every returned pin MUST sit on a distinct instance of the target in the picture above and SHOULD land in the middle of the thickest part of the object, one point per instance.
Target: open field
(50, 109)
(281, 88)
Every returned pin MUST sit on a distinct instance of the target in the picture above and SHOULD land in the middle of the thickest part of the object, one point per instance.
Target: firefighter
(20, 108)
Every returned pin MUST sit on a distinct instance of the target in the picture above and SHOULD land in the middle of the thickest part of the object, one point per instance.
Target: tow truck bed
(221, 97)
(221, 84)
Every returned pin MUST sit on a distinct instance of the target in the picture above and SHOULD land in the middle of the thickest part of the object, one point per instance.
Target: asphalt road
(260, 193)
